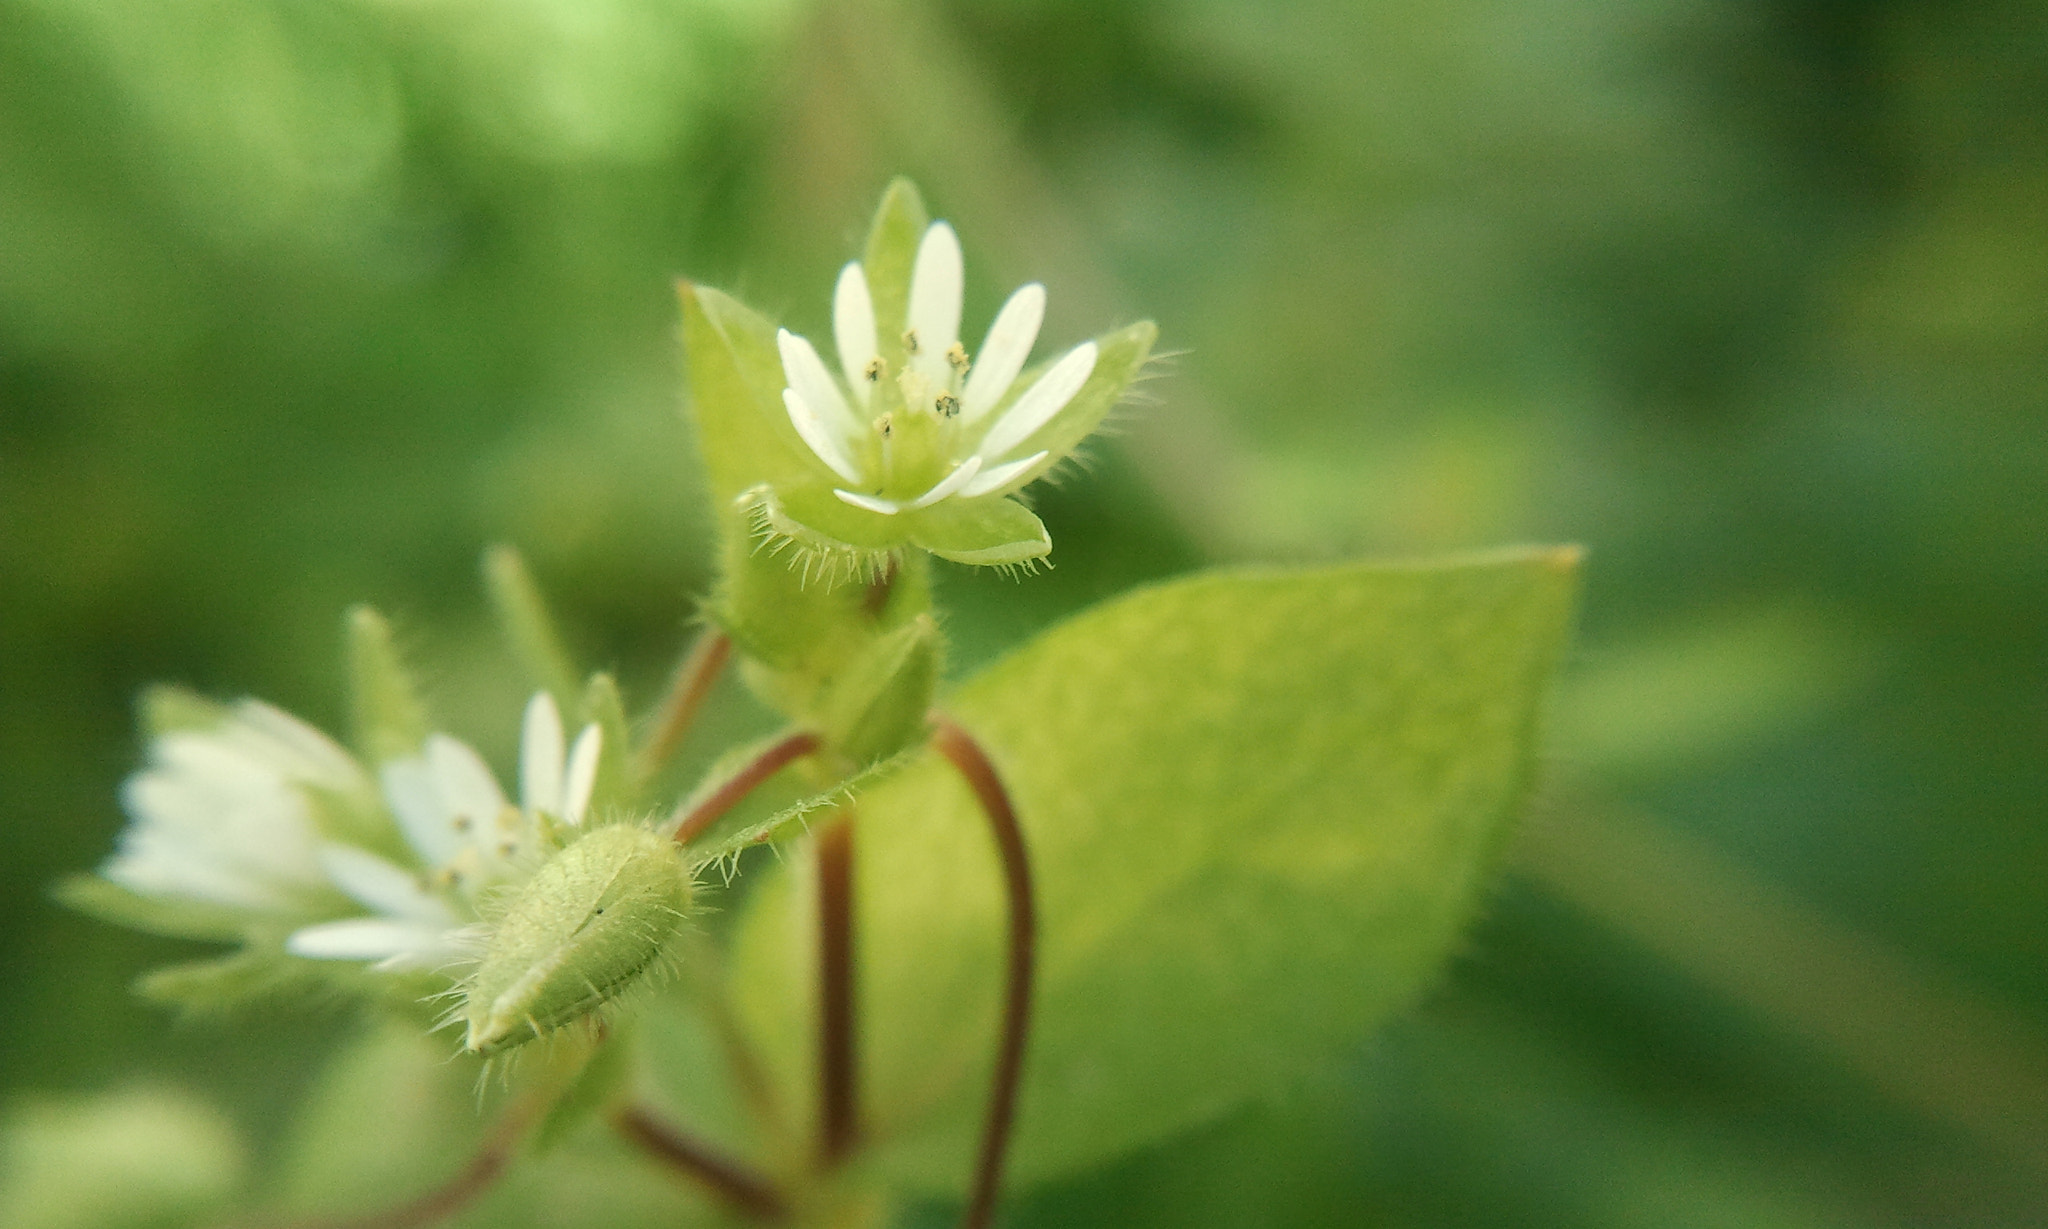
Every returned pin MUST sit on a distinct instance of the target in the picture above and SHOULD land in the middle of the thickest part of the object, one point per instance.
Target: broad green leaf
(1260, 805)
(390, 722)
(136, 1158)
(528, 628)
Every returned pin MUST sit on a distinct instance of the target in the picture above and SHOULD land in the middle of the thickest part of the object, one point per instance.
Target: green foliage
(1261, 806)
(138, 1158)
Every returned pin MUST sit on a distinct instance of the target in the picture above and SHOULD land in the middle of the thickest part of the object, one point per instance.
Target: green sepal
(808, 528)
(528, 628)
(157, 915)
(589, 923)
(735, 396)
(994, 531)
(876, 706)
(613, 794)
(389, 719)
(165, 709)
(893, 237)
(793, 820)
(1119, 357)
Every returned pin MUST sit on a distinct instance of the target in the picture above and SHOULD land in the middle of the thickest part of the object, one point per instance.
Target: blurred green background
(303, 302)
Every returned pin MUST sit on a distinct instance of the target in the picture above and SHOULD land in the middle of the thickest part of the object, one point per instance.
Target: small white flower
(222, 815)
(467, 837)
(905, 440)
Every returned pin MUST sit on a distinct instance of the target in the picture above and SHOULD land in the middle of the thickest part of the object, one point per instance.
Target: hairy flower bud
(576, 935)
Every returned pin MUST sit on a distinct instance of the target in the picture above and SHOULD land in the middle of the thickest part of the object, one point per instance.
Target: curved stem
(693, 681)
(692, 822)
(838, 1088)
(748, 1192)
(973, 765)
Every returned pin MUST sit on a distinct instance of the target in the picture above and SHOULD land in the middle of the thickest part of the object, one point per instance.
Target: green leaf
(899, 226)
(390, 722)
(1261, 806)
(528, 628)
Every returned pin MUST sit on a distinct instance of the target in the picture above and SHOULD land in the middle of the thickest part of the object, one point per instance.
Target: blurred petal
(935, 285)
(961, 475)
(887, 507)
(999, 477)
(540, 754)
(822, 442)
(853, 328)
(582, 773)
(1040, 402)
(1002, 356)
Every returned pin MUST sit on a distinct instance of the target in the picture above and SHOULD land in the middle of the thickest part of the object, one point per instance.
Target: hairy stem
(730, 1179)
(973, 764)
(696, 819)
(838, 1093)
(693, 681)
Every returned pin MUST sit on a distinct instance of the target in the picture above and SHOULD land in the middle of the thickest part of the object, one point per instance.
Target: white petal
(887, 507)
(582, 773)
(365, 938)
(999, 477)
(1040, 402)
(935, 285)
(806, 374)
(152, 864)
(1002, 356)
(540, 754)
(961, 475)
(414, 796)
(467, 787)
(298, 749)
(853, 328)
(383, 886)
(822, 441)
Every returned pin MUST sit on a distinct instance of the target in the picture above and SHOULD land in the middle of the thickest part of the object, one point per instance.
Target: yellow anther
(957, 356)
(946, 404)
(875, 370)
(910, 341)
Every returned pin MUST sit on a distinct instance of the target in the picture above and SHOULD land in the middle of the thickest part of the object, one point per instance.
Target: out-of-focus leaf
(1260, 806)
(135, 1159)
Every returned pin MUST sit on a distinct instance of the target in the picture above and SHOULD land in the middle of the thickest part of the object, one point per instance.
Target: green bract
(581, 931)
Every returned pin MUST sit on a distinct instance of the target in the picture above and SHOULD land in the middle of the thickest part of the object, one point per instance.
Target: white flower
(222, 815)
(905, 440)
(466, 836)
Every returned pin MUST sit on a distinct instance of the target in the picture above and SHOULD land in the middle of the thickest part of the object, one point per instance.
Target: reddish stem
(763, 766)
(838, 1113)
(731, 1180)
(973, 764)
(694, 678)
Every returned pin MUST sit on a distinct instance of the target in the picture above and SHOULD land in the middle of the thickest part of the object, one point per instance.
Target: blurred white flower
(467, 838)
(222, 815)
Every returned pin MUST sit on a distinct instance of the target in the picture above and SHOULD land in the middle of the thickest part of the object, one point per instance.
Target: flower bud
(576, 935)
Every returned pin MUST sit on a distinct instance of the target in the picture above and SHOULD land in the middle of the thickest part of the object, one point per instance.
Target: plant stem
(693, 680)
(958, 745)
(763, 766)
(838, 1093)
(747, 1191)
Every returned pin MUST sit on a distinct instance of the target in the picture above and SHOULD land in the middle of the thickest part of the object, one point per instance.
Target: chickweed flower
(907, 438)
(912, 440)
(466, 838)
